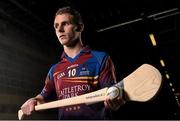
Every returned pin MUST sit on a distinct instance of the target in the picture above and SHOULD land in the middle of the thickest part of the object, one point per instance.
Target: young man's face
(66, 29)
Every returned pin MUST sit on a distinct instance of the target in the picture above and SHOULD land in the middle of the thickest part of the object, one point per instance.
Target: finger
(109, 103)
(25, 110)
(105, 104)
(31, 108)
(120, 101)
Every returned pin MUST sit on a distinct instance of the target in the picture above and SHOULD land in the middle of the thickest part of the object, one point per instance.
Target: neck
(73, 51)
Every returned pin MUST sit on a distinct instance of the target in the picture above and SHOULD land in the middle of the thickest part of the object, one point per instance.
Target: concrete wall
(24, 63)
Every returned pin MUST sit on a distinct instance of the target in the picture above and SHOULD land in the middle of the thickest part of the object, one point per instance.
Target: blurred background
(131, 32)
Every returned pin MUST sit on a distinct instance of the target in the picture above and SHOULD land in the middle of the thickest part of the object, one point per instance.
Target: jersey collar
(86, 49)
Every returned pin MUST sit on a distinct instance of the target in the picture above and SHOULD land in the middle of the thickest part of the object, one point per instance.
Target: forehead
(63, 17)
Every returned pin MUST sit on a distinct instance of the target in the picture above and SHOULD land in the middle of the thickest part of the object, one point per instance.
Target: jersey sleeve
(107, 75)
(49, 86)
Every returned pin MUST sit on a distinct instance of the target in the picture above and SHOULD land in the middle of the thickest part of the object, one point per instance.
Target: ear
(80, 27)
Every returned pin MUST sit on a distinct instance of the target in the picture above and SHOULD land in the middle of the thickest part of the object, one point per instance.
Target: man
(79, 71)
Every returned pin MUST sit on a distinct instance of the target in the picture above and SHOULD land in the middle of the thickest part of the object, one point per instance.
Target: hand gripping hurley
(141, 85)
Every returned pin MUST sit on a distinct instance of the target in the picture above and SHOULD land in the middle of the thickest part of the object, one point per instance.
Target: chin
(63, 42)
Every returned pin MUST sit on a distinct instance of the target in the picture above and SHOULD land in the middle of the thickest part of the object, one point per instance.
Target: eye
(56, 25)
(65, 23)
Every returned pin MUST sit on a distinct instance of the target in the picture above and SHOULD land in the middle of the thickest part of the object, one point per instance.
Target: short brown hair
(77, 19)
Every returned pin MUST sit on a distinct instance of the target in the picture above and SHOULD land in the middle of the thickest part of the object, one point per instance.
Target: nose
(60, 29)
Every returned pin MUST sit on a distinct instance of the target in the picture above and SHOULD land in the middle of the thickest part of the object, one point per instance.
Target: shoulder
(99, 55)
(51, 71)
(52, 67)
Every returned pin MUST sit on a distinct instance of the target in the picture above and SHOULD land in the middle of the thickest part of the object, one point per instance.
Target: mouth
(61, 36)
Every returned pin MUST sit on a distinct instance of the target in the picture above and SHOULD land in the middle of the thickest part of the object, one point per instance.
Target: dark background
(28, 47)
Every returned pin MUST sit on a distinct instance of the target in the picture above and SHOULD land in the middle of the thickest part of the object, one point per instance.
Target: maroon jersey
(88, 71)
